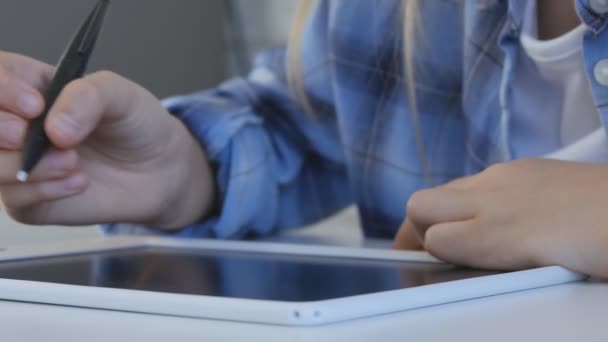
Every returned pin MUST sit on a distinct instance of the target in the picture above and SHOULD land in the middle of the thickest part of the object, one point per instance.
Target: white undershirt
(553, 111)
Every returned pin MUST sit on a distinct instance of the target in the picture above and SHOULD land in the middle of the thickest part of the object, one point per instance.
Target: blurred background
(170, 47)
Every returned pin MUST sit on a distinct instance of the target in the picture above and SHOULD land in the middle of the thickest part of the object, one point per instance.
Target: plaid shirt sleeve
(276, 167)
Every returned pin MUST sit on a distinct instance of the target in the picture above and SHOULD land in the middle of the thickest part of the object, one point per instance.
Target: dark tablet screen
(233, 274)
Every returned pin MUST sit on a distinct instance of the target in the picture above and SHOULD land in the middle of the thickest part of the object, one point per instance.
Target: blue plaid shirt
(278, 167)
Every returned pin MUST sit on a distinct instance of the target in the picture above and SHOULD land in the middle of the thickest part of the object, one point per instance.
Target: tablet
(247, 281)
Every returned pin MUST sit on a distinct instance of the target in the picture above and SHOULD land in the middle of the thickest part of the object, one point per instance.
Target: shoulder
(370, 33)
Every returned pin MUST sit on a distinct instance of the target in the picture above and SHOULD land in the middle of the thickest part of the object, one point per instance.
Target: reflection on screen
(233, 274)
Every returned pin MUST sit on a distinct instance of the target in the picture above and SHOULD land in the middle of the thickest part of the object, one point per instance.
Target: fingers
(54, 165)
(474, 244)
(17, 96)
(33, 72)
(407, 238)
(84, 104)
(18, 196)
(439, 205)
(463, 183)
(452, 242)
(12, 131)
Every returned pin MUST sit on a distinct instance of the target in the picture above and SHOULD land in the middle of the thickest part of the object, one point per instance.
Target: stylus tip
(22, 176)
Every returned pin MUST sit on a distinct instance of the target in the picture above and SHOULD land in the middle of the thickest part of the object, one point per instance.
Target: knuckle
(83, 89)
(420, 203)
(415, 201)
(110, 79)
(117, 92)
(108, 85)
(106, 77)
(79, 94)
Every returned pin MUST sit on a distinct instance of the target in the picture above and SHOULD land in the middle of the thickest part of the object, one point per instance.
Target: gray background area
(168, 46)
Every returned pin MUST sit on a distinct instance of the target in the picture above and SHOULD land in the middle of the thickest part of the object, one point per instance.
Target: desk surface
(559, 313)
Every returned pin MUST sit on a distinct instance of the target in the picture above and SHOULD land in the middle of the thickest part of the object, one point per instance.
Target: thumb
(86, 103)
(407, 238)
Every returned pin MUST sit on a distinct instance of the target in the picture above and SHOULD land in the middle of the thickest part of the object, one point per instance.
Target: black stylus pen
(71, 66)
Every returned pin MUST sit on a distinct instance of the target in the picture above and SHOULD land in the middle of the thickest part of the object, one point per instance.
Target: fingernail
(76, 183)
(28, 103)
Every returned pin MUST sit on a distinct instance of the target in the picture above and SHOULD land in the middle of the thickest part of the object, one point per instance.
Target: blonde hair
(410, 10)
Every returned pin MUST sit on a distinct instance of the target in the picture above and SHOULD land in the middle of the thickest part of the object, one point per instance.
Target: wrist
(190, 187)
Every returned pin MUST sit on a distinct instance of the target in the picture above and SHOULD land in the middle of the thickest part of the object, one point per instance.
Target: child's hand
(516, 215)
(118, 156)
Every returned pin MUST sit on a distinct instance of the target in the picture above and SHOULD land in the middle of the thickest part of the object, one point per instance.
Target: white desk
(569, 312)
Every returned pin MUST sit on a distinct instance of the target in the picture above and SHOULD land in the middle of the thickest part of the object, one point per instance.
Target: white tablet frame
(261, 311)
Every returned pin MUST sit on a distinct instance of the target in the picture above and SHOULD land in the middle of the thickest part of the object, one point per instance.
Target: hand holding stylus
(72, 65)
(117, 155)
